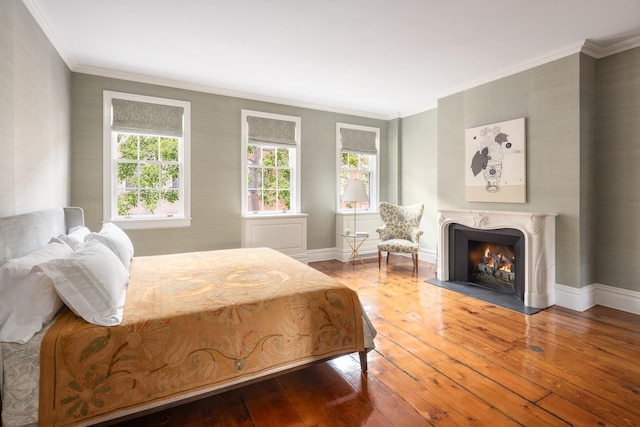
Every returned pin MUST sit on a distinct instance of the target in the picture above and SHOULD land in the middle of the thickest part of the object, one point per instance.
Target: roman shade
(358, 141)
(146, 117)
(263, 130)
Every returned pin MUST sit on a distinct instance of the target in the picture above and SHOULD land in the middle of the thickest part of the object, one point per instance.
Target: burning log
(497, 265)
(497, 261)
(495, 269)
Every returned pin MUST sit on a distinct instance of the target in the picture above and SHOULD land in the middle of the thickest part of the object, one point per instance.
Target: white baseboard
(303, 258)
(342, 255)
(428, 255)
(581, 299)
(315, 255)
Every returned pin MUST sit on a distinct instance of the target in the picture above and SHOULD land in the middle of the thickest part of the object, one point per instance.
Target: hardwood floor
(448, 360)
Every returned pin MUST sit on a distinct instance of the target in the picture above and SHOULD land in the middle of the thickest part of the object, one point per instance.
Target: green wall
(216, 165)
(617, 171)
(35, 116)
(588, 127)
(418, 167)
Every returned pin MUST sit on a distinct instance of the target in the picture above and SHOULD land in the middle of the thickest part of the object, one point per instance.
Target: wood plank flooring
(444, 359)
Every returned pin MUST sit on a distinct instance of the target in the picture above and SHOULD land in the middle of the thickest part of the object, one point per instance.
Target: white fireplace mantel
(539, 230)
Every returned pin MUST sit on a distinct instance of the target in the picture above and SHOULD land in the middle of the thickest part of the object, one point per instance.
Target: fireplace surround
(537, 271)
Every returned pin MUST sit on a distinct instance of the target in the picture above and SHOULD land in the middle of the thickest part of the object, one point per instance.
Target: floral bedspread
(194, 323)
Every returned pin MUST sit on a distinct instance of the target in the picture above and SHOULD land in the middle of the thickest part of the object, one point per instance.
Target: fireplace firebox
(491, 259)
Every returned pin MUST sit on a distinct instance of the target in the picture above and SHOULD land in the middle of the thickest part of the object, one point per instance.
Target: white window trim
(295, 191)
(374, 195)
(110, 174)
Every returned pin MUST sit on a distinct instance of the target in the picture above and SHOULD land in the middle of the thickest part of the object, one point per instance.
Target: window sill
(359, 212)
(150, 224)
(273, 216)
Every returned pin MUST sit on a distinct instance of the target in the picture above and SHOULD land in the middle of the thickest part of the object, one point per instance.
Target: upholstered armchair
(400, 232)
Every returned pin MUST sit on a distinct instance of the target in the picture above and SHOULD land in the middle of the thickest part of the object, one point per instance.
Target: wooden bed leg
(363, 360)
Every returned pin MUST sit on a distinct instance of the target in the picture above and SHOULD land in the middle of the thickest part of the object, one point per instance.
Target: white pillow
(115, 239)
(75, 237)
(79, 230)
(27, 310)
(92, 282)
(53, 249)
(28, 300)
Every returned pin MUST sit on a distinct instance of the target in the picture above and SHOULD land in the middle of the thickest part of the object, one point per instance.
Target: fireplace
(492, 259)
(528, 239)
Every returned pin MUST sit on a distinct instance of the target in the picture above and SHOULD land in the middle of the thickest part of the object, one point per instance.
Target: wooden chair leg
(379, 255)
(388, 253)
(414, 257)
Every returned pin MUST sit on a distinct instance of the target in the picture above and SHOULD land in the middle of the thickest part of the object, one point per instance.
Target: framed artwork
(495, 162)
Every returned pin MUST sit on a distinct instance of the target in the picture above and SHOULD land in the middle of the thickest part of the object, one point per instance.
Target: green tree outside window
(269, 178)
(148, 173)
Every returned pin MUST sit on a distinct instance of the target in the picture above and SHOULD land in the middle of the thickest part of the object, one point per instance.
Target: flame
(488, 257)
(505, 265)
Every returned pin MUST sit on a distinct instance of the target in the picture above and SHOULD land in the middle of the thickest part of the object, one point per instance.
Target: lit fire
(504, 264)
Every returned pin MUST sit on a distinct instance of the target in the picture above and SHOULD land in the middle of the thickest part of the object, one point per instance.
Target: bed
(193, 325)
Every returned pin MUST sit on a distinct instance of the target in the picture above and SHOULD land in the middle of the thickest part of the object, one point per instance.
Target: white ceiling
(380, 58)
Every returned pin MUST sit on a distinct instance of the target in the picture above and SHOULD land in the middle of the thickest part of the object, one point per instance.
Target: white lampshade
(354, 192)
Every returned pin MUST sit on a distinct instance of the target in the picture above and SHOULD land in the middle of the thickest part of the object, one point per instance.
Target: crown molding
(553, 56)
(102, 72)
(598, 50)
(41, 19)
(588, 47)
(427, 107)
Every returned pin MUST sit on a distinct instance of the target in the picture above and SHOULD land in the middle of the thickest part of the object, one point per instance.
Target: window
(358, 159)
(271, 159)
(146, 161)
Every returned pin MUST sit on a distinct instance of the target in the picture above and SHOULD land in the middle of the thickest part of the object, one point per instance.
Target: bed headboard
(22, 234)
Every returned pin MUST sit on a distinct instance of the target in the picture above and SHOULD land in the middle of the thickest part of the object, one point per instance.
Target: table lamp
(354, 192)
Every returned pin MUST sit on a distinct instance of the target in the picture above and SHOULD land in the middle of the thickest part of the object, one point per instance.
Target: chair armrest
(382, 232)
(415, 235)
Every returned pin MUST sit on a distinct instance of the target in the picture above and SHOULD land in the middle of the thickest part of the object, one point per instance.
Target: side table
(355, 240)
